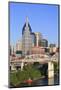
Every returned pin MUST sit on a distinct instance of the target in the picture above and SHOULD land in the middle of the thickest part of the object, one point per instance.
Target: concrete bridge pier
(50, 69)
(22, 65)
(13, 67)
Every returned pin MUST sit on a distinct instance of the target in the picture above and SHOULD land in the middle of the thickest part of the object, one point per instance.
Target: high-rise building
(19, 48)
(12, 50)
(26, 38)
(19, 45)
(52, 45)
(33, 39)
(52, 48)
(38, 38)
(44, 43)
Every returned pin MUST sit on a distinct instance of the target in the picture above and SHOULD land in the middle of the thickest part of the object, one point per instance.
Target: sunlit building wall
(38, 38)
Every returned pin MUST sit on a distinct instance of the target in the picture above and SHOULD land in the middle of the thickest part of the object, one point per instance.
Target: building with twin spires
(26, 38)
(32, 41)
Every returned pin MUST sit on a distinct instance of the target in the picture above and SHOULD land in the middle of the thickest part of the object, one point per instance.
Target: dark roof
(25, 26)
(32, 33)
(18, 52)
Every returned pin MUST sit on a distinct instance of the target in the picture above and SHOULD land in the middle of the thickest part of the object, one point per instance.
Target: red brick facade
(37, 50)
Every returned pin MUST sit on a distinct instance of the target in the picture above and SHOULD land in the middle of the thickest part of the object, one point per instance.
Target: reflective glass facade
(26, 39)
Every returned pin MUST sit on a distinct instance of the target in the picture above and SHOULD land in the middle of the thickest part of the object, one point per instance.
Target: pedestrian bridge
(35, 58)
(42, 59)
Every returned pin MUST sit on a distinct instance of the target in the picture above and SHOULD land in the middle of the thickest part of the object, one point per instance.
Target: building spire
(26, 21)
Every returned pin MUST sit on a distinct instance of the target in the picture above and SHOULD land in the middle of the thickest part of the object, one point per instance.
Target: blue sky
(42, 18)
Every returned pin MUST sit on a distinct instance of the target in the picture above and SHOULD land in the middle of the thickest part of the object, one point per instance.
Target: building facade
(19, 45)
(38, 38)
(33, 39)
(44, 43)
(26, 38)
(37, 50)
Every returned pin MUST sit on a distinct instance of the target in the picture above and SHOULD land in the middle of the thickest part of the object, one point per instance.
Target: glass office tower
(26, 38)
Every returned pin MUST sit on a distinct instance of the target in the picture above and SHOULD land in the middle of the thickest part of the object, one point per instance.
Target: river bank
(43, 81)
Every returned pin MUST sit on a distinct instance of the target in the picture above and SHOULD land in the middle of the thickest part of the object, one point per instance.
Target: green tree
(20, 76)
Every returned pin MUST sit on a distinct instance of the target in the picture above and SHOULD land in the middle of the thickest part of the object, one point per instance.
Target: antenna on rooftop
(26, 21)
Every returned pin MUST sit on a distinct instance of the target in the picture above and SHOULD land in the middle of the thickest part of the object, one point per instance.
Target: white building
(38, 38)
(19, 45)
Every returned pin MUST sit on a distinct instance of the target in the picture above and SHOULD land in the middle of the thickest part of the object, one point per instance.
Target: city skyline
(40, 18)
